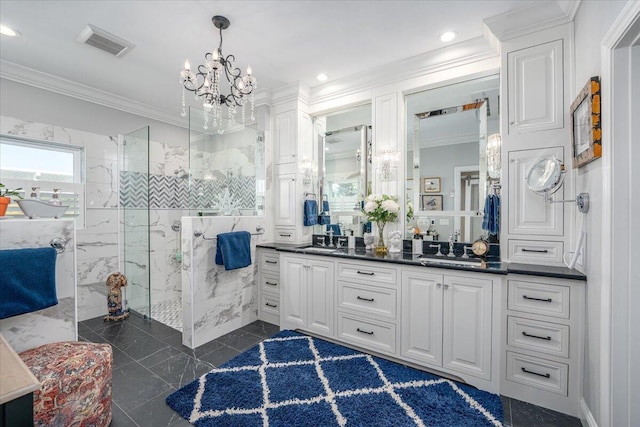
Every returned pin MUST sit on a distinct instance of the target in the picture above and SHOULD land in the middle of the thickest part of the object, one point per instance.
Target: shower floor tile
(168, 312)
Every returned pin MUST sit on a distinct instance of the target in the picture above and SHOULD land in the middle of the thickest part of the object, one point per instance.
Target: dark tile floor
(150, 362)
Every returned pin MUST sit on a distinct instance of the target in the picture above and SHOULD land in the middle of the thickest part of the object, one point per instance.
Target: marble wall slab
(57, 323)
(216, 301)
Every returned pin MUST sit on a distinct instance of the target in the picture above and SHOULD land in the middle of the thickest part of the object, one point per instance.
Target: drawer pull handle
(368, 273)
(285, 234)
(365, 299)
(536, 336)
(272, 283)
(526, 371)
(537, 299)
(364, 332)
(538, 251)
(271, 262)
(271, 305)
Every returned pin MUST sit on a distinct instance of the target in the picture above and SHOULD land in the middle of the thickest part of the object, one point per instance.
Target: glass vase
(381, 248)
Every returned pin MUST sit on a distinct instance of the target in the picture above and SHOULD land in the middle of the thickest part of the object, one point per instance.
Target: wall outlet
(444, 221)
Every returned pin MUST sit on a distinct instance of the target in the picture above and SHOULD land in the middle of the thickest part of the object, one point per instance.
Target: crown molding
(537, 17)
(456, 55)
(51, 83)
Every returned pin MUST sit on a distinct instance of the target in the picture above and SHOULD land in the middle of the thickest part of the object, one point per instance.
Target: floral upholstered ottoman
(76, 383)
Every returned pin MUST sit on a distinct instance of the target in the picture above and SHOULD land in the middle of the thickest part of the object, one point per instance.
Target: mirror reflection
(447, 180)
(344, 156)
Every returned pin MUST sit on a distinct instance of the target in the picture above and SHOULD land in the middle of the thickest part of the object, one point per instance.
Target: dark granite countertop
(492, 267)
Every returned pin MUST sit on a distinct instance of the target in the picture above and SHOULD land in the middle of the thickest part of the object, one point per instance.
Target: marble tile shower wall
(216, 301)
(97, 243)
(56, 323)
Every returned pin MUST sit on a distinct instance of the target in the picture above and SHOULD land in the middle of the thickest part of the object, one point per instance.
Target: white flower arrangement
(381, 208)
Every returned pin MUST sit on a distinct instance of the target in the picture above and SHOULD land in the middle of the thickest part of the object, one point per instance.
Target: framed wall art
(431, 185)
(432, 203)
(586, 132)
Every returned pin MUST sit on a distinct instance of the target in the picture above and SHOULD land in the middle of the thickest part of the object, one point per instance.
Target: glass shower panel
(227, 169)
(134, 200)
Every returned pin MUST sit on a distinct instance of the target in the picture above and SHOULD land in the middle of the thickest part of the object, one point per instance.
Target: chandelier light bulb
(214, 55)
(240, 84)
(249, 70)
(206, 83)
(187, 65)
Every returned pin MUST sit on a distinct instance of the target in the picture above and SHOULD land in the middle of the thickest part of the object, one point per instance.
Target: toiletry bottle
(34, 194)
(55, 198)
(417, 244)
(351, 241)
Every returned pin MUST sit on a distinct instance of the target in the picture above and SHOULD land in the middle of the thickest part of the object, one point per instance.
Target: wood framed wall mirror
(447, 180)
(344, 168)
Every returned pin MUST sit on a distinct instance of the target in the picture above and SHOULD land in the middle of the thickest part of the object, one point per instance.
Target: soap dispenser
(351, 241)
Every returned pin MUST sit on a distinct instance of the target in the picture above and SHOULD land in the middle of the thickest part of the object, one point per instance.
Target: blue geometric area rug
(292, 380)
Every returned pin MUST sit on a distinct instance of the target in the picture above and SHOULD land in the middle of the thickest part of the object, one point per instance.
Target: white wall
(37, 105)
(592, 21)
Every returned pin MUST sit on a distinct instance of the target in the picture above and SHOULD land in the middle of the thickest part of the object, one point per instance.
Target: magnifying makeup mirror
(546, 176)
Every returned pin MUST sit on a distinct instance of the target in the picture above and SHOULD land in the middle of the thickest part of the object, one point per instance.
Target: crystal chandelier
(206, 85)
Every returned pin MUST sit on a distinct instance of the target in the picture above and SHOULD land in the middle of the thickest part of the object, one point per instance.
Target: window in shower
(227, 170)
(28, 163)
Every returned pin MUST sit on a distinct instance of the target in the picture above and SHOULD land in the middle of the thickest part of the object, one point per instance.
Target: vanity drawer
(535, 251)
(539, 298)
(285, 235)
(369, 334)
(270, 282)
(270, 304)
(533, 335)
(270, 262)
(380, 302)
(539, 373)
(367, 273)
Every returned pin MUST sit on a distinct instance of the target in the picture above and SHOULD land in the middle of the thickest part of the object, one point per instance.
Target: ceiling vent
(105, 41)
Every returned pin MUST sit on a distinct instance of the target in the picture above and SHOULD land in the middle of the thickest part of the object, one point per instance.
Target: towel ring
(58, 243)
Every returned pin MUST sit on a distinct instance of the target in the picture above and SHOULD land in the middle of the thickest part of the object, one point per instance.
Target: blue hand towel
(28, 280)
(324, 219)
(335, 228)
(234, 250)
(491, 220)
(325, 206)
(310, 213)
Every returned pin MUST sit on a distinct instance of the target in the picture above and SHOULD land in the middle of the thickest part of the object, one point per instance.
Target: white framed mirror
(447, 179)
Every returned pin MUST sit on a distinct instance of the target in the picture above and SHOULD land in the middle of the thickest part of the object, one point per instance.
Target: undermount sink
(318, 249)
(467, 262)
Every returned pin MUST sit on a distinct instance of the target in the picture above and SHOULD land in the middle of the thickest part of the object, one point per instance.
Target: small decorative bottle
(55, 198)
(34, 193)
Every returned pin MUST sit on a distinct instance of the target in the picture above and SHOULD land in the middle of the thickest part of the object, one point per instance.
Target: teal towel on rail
(234, 250)
(28, 280)
(310, 213)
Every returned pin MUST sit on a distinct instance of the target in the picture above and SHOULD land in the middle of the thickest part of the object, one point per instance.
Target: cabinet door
(320, 282)
(421, 327)
(535, 88)
(285, 137)
(285, 200)
(466, 336)
(528, 212)
(293, 279)
(305, 137)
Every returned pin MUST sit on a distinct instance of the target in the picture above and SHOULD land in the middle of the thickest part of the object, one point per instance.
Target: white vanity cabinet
(307, 297)
(542, 341)
(293, 145)
(535, 87)
(447, 320)
(269, 285)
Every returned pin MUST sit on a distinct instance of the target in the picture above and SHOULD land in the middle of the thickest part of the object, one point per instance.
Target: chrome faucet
(451, 244)
(341, 240)
(320, 241)
(330, 233)
(465, 254)
(436, 246)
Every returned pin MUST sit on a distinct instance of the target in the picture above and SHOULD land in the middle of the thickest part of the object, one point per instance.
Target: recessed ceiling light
(448, 36)
(8, 31)
(322, 77)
